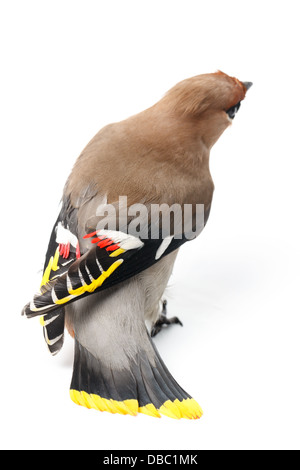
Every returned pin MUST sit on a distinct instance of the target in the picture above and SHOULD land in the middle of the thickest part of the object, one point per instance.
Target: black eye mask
(233, 110)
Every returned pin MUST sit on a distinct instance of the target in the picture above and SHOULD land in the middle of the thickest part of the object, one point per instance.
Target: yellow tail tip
(103, 404)
(149, 410)
(176, 409)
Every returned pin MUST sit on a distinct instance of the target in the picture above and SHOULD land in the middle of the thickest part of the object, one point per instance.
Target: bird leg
(163, 320)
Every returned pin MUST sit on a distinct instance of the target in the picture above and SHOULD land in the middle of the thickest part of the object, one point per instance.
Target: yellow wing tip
(52, 266)
(117, 252)
(176, 409)
(90, 287)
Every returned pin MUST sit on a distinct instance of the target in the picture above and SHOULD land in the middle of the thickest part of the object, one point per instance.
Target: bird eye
(233, 110)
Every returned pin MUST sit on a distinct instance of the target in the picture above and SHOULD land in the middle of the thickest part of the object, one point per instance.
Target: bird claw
(163, 320)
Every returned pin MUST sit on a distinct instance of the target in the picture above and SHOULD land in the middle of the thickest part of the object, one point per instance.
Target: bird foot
(163, 320)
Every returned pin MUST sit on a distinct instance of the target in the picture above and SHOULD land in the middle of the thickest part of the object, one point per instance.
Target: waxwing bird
(105, 272)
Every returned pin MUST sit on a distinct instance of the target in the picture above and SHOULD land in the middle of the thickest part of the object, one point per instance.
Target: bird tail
(141, 385)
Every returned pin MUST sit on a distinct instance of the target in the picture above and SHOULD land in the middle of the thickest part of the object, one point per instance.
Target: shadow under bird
(104, 285)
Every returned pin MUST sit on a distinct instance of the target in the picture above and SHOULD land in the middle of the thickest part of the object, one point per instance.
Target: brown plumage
(160, 155)
(170, 141)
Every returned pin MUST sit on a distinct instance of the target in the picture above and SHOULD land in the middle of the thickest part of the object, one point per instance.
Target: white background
(67, 69)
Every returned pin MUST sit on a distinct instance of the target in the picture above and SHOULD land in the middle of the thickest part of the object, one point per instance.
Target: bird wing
(112, 256)
(63, 249)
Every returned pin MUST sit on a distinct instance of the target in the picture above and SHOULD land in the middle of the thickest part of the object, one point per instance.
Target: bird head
(210, 101)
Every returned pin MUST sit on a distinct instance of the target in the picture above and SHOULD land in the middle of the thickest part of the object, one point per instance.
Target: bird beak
(247, 85)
